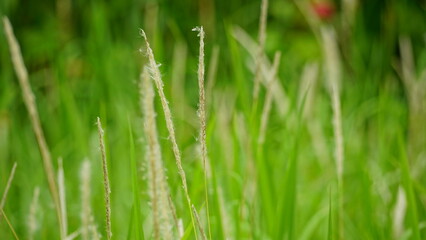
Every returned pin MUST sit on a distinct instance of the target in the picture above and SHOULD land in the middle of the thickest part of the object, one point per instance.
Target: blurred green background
(84, 61)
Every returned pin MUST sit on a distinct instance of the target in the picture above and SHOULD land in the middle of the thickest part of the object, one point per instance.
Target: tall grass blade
(138, 233)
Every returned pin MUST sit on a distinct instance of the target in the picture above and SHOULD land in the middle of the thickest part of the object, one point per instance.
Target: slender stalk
(9, 224)
(9, 183)
(203, 124)
(200, 228)
(179, 227)
(29, 101)
(106, 180)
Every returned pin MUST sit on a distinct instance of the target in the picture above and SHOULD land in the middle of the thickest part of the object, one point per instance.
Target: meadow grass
(334, 153)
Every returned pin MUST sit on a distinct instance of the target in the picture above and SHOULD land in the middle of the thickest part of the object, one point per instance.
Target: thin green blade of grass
(408, 185)
(266, 182)
(137, 226)
(288, 202)
(238, 73)
(330, 219)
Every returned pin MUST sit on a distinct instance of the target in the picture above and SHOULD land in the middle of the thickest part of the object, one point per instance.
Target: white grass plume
(62, 198)
(333, 75)
(29, 101)
(88, 227)
(85, 199)
(202, 116)
(155, 74)
(106, 180)
(157, 185)
(32, 218)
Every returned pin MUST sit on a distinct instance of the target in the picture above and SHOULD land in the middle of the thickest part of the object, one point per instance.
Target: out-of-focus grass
(87, 64)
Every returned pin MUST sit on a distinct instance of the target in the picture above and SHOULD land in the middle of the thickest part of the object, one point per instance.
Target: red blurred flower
(323, 9)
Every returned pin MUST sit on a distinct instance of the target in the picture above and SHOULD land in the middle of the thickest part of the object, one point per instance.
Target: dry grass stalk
(32, 218)
(280, 98)
(157, 185)
(155, 74)
(333, 75)
(9, 224)
(268, 100)
(202, 116)
(178, 225)
(261, 41)
(9, 183)
(62, 198)
(200, 227)
(29, 101)
(106, 179)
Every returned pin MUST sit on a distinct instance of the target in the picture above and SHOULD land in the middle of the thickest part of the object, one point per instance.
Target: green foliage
(87, 64)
